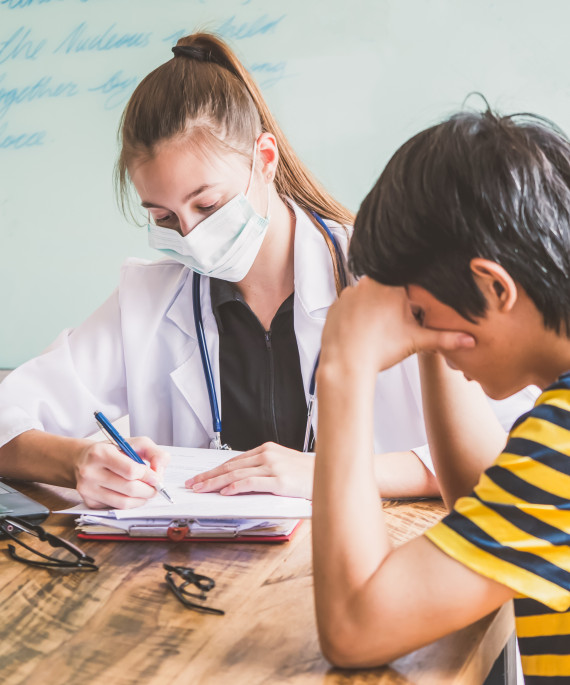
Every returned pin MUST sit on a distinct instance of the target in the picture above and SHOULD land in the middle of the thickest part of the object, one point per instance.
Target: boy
(472, 218)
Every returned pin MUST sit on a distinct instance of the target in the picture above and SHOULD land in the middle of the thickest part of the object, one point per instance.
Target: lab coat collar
(179, 310)
(315, 291)
(314, 277)
(189, 376)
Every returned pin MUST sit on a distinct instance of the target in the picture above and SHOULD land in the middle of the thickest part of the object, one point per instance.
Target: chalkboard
(348, 82)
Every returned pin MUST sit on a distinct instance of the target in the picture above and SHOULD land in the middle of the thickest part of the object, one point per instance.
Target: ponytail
(206, 90)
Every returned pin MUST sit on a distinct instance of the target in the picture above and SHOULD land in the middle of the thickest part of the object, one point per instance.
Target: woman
(226, 198)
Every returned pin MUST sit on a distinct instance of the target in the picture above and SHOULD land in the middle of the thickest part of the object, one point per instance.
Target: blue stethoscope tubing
(207, 366)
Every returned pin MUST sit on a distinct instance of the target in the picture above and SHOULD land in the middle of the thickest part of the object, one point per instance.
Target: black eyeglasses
(12, 526)
(202, 583)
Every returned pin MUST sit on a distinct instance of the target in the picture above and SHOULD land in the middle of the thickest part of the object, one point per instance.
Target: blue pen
(117, 439)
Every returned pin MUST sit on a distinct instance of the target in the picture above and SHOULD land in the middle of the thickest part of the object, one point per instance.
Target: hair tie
(191, 52)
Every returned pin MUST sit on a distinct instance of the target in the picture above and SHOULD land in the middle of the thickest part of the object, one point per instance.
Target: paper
(187, 462)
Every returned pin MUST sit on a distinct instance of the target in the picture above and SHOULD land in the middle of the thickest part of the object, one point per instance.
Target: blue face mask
(224, 245)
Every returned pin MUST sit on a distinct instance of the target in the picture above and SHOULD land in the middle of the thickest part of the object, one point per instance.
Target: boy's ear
(496, 284)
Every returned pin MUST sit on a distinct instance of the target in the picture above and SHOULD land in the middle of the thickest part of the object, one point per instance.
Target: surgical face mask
(224, 245)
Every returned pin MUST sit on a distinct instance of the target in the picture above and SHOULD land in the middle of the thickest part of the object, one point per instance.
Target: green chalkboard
(349, 81)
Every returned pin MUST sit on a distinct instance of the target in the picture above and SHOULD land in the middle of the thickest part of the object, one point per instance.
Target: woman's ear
(496, 284)
(268, 155)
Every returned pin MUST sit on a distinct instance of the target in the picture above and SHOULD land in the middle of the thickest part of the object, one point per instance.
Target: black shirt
(262, 394)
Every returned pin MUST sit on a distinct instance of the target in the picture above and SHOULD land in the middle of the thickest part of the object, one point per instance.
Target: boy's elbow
(337, 654)
(348, 648)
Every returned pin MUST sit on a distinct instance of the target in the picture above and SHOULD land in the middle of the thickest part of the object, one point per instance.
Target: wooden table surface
(122, 625)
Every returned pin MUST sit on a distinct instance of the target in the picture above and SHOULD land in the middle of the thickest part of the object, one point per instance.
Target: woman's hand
(105, 477)
(268, 468)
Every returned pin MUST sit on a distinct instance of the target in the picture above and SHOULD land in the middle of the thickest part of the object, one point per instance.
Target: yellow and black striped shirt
(515, 529)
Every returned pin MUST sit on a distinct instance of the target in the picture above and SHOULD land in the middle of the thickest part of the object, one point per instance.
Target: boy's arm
(373, 603)
(464, 435)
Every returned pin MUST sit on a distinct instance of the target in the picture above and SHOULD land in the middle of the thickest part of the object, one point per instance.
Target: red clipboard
(124, 537)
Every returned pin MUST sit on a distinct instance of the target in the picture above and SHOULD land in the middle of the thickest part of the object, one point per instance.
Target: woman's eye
(161, 220)
(207, 208)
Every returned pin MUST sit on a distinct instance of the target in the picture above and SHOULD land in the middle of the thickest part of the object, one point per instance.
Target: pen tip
(167, 496)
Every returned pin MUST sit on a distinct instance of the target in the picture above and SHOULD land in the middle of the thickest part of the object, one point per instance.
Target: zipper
(269, 349)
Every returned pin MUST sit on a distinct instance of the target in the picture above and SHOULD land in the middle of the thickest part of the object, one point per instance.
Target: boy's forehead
(420, 297)
(416, 292)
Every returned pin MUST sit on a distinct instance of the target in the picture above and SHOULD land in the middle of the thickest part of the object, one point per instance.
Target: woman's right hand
(105, 477)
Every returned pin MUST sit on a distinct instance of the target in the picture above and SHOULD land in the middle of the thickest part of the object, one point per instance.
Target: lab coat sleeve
(423, 454)
(81, 372)
(507, 412)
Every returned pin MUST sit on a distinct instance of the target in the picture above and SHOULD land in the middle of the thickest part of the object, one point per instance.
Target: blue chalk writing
(22, 4)
(45, 87)
(20, 45)
(17, 142)
(80, 40)
(173, 38)
(268, 74)
(230, 29)
(117, 87)
(248, 29)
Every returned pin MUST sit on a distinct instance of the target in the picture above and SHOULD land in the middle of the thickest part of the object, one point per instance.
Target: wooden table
(122, 626)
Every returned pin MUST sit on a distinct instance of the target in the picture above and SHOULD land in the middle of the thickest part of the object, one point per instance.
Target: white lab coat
(138, 355)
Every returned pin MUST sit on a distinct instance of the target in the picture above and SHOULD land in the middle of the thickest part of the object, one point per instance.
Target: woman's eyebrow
(193, 193)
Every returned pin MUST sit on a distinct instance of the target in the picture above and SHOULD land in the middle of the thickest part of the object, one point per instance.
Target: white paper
(187, 462)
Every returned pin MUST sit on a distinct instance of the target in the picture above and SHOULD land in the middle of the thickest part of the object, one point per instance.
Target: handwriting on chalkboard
(10, 141)
(109, 90)
(117, 88)
(22, 4)
(44, 87)
(21, 45)
(80, 39)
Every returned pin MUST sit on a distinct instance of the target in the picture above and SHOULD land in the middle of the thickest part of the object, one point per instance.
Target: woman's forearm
(403, 474)
(42, 457)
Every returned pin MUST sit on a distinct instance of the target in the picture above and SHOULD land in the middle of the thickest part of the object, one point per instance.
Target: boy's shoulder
(557, 394)
(515, 526)
(547, 423)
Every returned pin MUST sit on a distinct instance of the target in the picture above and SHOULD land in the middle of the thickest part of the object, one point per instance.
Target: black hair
(476, 185)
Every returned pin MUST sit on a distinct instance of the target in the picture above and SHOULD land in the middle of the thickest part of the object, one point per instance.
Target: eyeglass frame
(190, 577)
(83, 561)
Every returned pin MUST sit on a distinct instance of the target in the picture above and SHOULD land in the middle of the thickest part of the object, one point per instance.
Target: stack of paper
(206, 515)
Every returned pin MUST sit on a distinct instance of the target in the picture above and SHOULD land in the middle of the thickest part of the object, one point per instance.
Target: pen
(116, 438)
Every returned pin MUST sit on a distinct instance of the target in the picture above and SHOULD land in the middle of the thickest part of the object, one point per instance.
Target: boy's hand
(371, 327)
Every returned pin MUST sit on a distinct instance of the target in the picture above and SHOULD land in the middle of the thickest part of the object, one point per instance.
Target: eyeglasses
(12, 526)
(189, 577)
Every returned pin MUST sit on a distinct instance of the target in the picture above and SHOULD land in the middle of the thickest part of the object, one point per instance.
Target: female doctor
(217, 344)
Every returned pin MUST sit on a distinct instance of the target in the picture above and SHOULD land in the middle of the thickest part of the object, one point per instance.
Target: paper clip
(177, 530)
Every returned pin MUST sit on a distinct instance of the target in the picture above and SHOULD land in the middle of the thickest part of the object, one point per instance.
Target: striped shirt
(515, 529)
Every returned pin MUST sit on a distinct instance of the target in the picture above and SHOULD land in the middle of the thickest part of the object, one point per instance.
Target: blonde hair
(205, 92)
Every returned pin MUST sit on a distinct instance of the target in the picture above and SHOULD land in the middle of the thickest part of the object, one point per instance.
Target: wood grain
(122, 626)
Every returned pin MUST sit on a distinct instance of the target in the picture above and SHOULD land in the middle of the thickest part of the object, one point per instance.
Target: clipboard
(199, 517)
(177, 533)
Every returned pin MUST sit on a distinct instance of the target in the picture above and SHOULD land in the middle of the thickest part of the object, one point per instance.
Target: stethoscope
(216, 442)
